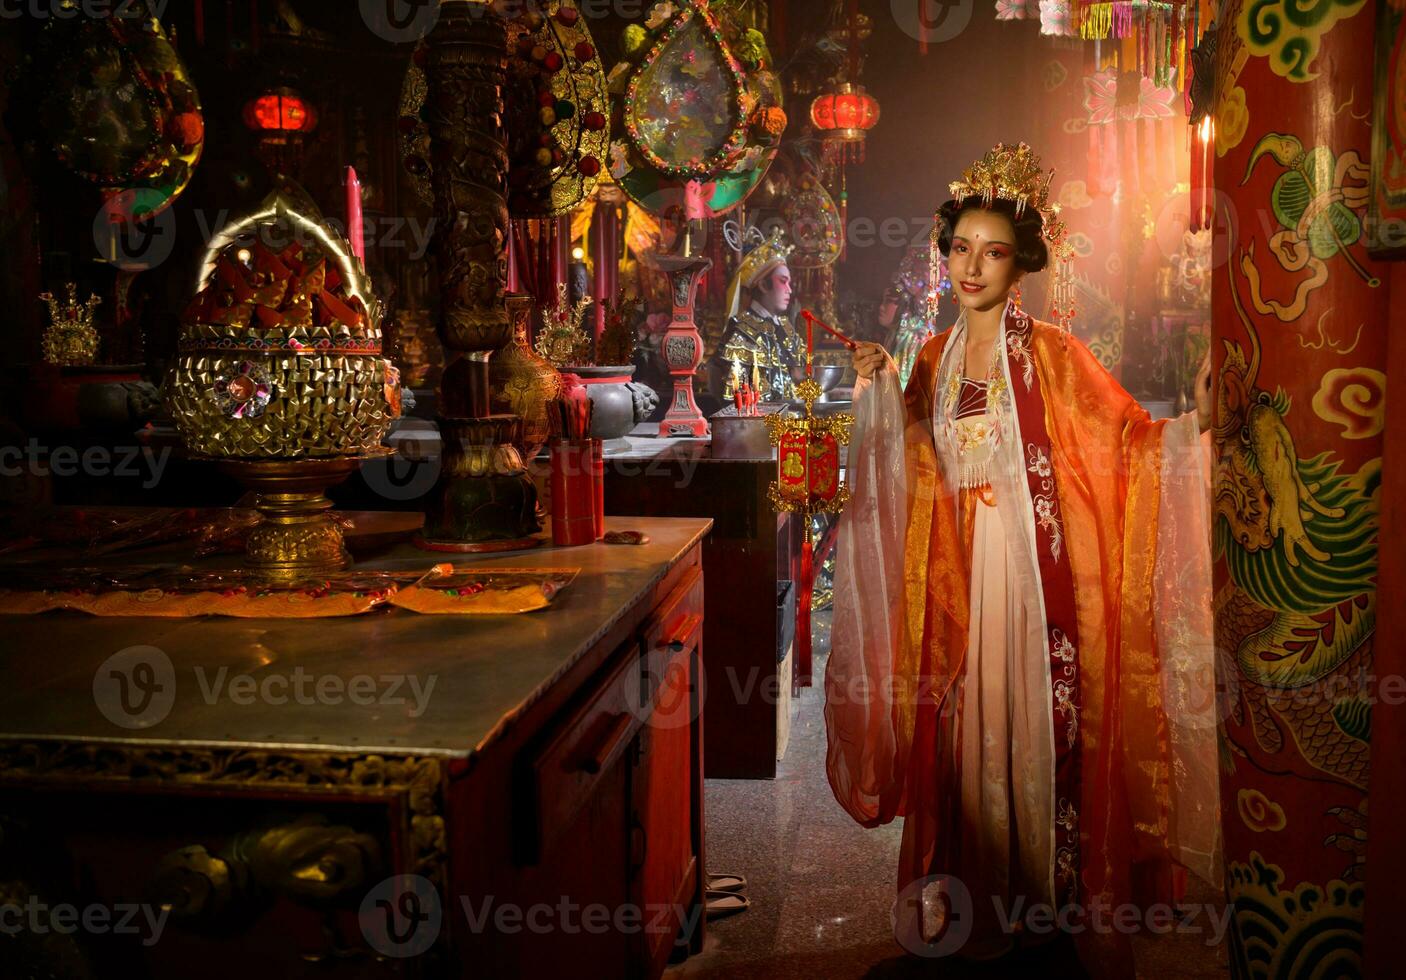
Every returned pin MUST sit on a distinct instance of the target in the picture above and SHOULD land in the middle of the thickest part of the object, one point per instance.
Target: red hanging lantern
(280, 117)
(846, 114)
(808, 476)
(280, 111)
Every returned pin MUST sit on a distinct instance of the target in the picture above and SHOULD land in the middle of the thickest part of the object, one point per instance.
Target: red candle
(354, 226)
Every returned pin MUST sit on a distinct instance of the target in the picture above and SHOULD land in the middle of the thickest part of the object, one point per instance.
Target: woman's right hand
(869, 359)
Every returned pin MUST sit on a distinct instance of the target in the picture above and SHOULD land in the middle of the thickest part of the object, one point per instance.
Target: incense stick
(812, 318)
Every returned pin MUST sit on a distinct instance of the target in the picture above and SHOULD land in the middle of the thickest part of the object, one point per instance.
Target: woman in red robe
(1022, 664)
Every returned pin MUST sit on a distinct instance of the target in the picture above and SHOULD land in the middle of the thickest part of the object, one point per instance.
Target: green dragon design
(1298, 538)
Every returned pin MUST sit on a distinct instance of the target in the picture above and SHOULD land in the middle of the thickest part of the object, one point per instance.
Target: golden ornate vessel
(298, 539)
(280, 351)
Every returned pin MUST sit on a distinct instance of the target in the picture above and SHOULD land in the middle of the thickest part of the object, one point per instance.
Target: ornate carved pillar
(466, 73)
(1300, 318)
(484, 499)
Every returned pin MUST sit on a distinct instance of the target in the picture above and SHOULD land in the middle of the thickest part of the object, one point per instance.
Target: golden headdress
(1009, 172)
(1013, 173)
(765, 255)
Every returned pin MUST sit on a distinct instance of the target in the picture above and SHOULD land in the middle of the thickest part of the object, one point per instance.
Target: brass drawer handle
(594, 762)
(684, 629)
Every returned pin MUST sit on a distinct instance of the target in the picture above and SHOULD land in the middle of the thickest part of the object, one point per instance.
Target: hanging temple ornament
(1013, 173)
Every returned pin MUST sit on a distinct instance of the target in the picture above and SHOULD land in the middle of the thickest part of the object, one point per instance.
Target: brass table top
(388, 681)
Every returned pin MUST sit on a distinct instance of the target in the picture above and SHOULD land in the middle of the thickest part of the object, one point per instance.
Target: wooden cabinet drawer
(676, 627)
(564, 772)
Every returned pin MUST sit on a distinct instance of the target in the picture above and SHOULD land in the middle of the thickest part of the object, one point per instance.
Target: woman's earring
(1016, 293)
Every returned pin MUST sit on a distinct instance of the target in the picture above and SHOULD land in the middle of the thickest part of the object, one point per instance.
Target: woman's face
(982, 260)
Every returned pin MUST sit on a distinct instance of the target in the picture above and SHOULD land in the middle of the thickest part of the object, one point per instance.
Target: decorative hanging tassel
(1179, 46)
(1151, 44)
(803, 602)
(934, 272)
(1149, 32)
(974, 475)
(1140, 38)
(1159, 47)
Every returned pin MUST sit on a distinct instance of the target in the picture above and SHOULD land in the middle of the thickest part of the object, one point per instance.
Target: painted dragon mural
(1299, 538)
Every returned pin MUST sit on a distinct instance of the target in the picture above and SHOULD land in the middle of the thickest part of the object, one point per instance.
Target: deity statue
(907, 307)
(761, 347)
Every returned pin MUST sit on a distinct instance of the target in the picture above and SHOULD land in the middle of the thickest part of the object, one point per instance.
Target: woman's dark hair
(1031, 253)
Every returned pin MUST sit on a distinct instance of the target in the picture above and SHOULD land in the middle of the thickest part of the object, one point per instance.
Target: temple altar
(476, 754)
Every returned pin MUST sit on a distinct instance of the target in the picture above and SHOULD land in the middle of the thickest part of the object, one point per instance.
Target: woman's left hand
(1202, 387)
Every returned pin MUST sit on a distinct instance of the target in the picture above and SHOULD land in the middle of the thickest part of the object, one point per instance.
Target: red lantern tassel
(803, 601)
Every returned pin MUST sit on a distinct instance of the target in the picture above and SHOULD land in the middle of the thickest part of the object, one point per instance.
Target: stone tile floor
(821, 886)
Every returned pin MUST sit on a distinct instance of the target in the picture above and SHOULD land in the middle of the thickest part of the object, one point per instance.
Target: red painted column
(1386, 857)
(1300, 320)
